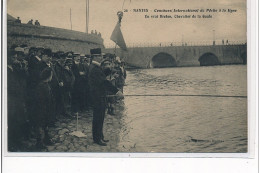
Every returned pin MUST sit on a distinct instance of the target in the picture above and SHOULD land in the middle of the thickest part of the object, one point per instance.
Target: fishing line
(177, 95)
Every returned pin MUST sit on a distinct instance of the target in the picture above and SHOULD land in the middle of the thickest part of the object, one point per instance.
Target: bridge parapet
(174, 44)
(185, 55)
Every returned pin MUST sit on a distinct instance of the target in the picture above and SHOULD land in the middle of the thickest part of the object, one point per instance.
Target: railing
(172, 44)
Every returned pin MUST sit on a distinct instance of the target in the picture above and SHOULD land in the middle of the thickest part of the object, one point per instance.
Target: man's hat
(96, 51)
(32, 49)
(76, 54)
(24, 45)
(63, 55)
(47, 52)
(55, 55)
(39, 49)
(68, 61)
(70, 55)
(19, 49)
(88, 56)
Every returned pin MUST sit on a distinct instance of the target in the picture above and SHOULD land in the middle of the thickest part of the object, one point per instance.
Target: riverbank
(64, 140)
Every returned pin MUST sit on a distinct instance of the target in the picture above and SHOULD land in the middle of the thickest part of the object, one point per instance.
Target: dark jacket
(33, 71)
(98, 84)
(43, 104)
(54, 82)
(80, 80)
(68, 79)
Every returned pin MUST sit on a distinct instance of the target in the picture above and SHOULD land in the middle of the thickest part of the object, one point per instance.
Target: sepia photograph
(126, 76)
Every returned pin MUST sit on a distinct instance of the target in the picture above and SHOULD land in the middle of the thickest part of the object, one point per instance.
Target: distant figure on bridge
(227, 42)
(37, 23)
(160, 44)
(223, 42)
(30, 22)
(171, 44)
(96, 32)
(18, 20)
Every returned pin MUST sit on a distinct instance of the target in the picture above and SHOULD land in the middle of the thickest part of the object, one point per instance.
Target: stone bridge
(181, 56)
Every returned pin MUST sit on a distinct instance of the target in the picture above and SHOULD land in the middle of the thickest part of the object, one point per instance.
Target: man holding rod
(98, 89)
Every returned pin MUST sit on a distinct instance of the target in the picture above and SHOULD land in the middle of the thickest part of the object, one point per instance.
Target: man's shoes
(105, 140)
(100, 143)
(111, 111)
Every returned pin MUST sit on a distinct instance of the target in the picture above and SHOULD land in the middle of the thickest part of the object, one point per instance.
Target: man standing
(98, 88)
(37, 23)
(79, 71)
(42, 108)
(30, 22)
(18, 20)
(55, 84)
(69, 80)
(16, 82)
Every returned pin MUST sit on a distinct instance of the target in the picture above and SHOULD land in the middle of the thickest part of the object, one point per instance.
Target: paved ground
(65, 141)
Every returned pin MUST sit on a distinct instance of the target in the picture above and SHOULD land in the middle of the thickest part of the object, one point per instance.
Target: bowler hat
(47, 52)
(19, 49)
(96, 51)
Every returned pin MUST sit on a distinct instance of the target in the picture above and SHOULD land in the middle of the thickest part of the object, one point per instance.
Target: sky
(135, 27)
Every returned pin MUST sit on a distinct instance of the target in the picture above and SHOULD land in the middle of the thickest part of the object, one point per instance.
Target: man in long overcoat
(98, 89)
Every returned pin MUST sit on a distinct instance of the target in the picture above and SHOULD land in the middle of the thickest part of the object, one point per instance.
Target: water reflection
(184, 124)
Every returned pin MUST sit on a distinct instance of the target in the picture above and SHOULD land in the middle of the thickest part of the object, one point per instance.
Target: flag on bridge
(118, 38)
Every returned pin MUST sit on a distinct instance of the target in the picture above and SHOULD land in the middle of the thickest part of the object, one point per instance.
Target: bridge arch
(162, 60)
(209, 59)
(244, 57)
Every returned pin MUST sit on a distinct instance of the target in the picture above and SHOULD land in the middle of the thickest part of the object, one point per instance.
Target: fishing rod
(176, 95)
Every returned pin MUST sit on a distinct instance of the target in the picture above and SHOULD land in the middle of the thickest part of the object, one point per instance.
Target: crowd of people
(44, 86)
(95, 33)
(30, 22)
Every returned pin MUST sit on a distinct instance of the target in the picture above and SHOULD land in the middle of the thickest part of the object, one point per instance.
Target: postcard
(121, 78)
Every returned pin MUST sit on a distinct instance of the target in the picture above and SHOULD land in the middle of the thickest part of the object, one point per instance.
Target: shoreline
(65, 141)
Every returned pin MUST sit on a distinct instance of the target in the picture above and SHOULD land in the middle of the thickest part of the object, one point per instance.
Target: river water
(184, 123)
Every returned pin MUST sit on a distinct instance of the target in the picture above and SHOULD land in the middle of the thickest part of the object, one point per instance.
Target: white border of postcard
(194, 162)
